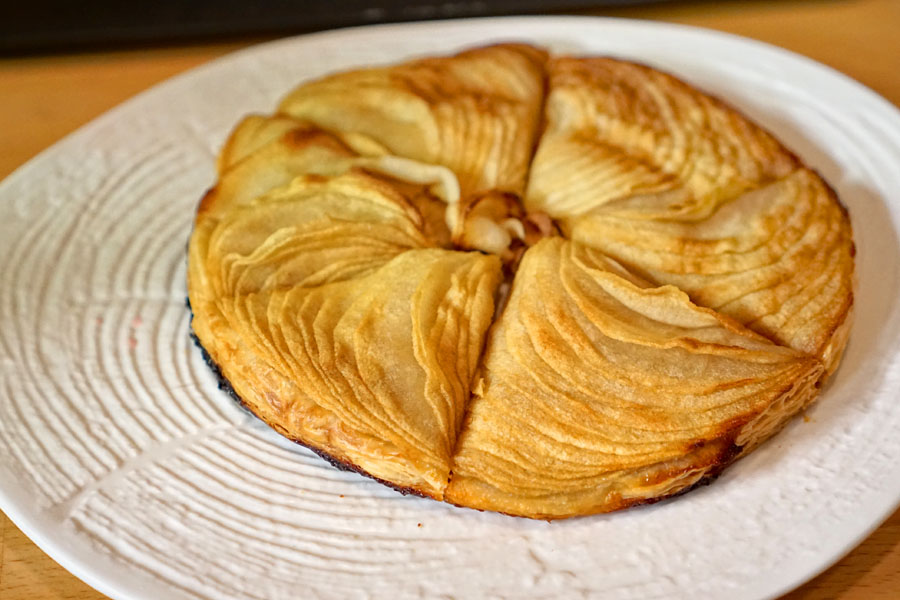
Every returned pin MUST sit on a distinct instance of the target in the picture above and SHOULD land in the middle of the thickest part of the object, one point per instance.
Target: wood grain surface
(44, 98)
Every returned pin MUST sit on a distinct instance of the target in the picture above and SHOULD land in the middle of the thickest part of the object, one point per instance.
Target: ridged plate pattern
(122, 459)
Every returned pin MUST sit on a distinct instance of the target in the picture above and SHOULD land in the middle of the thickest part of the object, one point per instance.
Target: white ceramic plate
(122, 460)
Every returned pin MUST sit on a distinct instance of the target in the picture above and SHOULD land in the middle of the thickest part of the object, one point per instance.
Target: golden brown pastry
(683, 190)
(476, 112)
(616, 130)
(337, 322)
(600, 392)
(374, 279)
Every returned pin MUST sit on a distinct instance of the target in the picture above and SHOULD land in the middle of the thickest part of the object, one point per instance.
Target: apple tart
(543, 286)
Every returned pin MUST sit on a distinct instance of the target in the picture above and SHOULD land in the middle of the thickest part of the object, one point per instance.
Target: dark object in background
(42, 26)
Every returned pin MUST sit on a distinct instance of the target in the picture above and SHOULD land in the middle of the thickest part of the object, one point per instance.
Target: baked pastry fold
(382, 363)
(616, 129)
(599, 392)
(347, 329)
(683, 190)
(476, 113)
(779, 259)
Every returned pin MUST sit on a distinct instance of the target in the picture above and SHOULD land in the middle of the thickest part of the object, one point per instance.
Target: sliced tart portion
(476, 113)
(616, 129)
(373, 372)
(683, 190)
(598, 392)
(313, 231)
(336, 321)
(779, 259)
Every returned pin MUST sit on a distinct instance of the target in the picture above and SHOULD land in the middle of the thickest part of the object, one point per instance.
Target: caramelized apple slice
(324, 307)
(598, 393)
(373, 372)
(616, 129)
(476, 112)
(684, 190)
(778, 259)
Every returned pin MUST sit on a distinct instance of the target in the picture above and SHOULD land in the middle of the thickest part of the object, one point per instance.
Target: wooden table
(44, 98)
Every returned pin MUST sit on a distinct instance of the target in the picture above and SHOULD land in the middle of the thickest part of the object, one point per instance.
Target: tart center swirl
(496, 222)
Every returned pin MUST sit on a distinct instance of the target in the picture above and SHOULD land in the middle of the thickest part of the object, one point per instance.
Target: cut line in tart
(543, 286)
